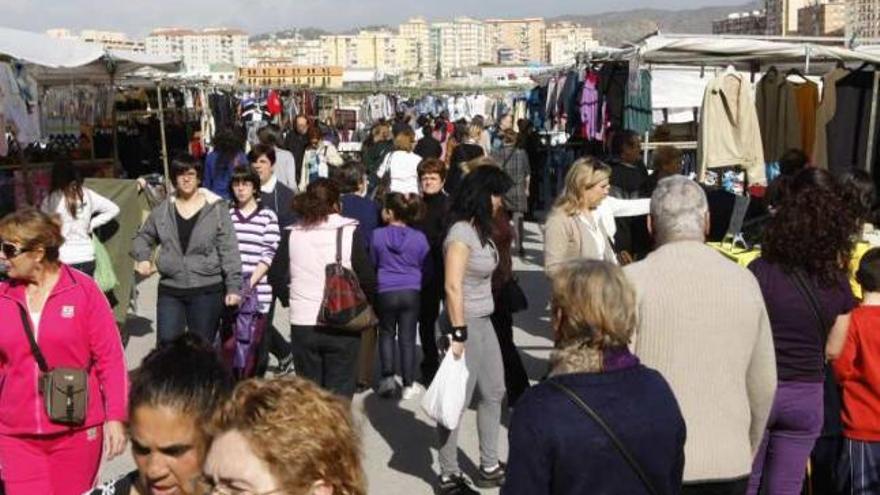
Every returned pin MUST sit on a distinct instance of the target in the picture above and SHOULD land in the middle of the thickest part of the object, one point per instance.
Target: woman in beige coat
(581, 224)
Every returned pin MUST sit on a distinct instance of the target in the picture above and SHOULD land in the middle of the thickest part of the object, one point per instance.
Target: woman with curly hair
(284, 435)
(805, 254)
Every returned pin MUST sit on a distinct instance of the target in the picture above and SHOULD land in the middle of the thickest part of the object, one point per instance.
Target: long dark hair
(67, 179)
(320, 200)
(472, 201)
(813, 230)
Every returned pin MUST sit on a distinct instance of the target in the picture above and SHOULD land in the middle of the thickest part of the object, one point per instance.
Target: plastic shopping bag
(444, 400)
(105, 276)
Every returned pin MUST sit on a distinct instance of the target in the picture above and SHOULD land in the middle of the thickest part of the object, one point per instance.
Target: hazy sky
(138, 17)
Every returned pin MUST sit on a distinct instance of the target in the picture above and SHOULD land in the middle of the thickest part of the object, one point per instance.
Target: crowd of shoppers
(674, 370)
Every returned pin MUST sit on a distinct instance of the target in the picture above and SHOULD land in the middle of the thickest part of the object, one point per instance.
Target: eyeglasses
(10, 250)
(208, 486)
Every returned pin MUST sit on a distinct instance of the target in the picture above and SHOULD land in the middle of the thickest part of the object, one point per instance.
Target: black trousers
(326, 356)
(273, 343)
(429, 310)
(737, 487)
(516, 380)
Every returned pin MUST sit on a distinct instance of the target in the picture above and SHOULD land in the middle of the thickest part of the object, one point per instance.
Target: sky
(138, 17)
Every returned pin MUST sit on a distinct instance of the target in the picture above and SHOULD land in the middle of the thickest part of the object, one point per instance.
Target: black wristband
(459, 334)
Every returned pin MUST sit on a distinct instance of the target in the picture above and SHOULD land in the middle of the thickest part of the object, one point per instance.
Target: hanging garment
(729, 132)
(591, 126)
(848, 130)
(806, 94)
(824, 114)
(777, 115)
(637, 114)
(612, 94)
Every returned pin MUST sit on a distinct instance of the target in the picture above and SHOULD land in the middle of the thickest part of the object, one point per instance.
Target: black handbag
(65, 391)
(608, 431)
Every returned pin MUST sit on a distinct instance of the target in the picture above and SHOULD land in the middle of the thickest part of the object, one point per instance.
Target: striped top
(258, 237)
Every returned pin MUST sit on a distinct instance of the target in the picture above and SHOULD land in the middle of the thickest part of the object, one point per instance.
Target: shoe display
(455, 485)
(491, 478)
(412, 391)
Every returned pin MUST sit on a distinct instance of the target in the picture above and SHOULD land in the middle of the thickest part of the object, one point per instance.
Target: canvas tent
(50, 60)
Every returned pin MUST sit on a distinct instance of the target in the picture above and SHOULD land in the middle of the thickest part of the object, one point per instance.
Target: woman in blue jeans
(198, 261)
(399, 253)
(808, 240)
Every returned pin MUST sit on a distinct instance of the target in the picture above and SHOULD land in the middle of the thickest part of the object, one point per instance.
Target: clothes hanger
(796, 72)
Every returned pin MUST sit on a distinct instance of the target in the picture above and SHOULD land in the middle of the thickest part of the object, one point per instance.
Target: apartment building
(379, 50)
(782, 16)
(295, 51)
(418, 29)
(863, 20)
(565, 40)
(200, 49)
(826, 18)
(460, 44)
(754, 22)
(518, 41)
(279, 74)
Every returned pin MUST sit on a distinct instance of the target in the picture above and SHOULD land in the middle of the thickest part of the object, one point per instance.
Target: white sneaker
(412, 391)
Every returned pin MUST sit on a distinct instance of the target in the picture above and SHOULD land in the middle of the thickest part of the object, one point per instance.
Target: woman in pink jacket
(74, 328)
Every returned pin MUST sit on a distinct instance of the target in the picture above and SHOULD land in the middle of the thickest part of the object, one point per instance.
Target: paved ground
(399, 441)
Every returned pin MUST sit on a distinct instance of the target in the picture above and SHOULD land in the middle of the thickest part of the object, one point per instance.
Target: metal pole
(164, 150)
(872, 126)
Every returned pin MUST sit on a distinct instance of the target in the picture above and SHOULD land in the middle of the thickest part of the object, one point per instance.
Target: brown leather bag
(65, 390)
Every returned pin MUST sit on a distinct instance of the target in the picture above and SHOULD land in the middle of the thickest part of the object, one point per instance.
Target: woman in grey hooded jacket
(198, 261)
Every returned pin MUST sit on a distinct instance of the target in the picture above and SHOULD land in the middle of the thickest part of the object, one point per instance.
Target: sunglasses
(10, 250)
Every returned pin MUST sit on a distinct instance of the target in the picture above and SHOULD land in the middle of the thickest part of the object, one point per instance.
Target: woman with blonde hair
(399, 169)
(594, 314)
(284, 435)
(581, 224)
(466, 151)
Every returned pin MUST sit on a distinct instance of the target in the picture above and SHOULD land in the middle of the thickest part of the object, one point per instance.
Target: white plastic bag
(444, 400)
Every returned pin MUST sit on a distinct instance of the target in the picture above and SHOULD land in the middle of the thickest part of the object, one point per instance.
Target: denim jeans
(200, 313)
(326, 356)
(398, 317)
(794, 425)
(559, 159)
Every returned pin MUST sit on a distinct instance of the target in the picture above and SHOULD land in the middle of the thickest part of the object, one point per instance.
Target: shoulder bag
(608, 431)
(65, 390)
(344, 305)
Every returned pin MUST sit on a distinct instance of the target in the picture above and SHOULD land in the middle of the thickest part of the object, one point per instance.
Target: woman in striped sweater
(258, 234)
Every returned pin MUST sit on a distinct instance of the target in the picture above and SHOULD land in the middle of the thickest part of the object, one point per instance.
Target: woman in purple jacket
(399, 253)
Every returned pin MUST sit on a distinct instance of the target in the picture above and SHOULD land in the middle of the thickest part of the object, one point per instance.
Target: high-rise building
(782, 16)
(200, 49)
(111, 40)
(565, 40)
(419, 30)
(863, 20)
(459, 44)
(825, 18)
(379, 50)
(522, 40)
(754, 22)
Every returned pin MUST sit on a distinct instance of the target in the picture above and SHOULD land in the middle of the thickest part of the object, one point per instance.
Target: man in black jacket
(428, 147)
(297, 141)
(279, 198)
(628, 178)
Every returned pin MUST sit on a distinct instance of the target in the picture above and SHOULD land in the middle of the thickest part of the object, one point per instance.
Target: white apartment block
(111, 40)
(419, 30)
(200, 49)
(566, 40)
(519, 41)
(863, 21)
(460, 44)
(383, 51)
(782, 16)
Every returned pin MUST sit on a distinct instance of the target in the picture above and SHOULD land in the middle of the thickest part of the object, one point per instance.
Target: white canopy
(739, 51)
(64, 60)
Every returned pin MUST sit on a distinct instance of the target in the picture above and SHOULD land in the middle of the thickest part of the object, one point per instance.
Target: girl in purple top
(399, 253)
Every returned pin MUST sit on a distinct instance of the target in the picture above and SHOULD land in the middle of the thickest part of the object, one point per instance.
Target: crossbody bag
(624, 452)
(64, 390)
